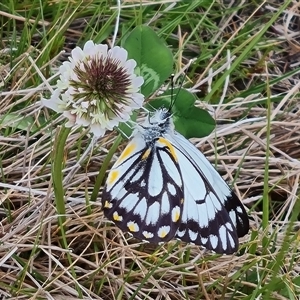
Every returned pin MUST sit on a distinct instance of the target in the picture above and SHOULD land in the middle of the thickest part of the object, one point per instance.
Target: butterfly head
(160, 117)
(156, 125)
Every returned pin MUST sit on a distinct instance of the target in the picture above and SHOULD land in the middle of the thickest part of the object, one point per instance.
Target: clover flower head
(97, 88)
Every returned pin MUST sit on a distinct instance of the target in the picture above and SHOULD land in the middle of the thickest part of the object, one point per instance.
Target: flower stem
(59, 193)
(57, 175)
(103, 168)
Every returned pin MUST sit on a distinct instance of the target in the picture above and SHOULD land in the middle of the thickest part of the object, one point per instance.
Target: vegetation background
(245, 73)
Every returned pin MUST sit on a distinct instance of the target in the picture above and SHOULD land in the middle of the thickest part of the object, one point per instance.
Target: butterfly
(162, 187)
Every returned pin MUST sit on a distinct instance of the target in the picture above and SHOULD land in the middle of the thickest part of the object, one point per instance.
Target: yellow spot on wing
(132, 226)
(169, 146)
(117, 217)
(162, 234)
(127, 152)
(107, 204)
(176, 214)
(163, 231)
(146, 154)
(113, 176)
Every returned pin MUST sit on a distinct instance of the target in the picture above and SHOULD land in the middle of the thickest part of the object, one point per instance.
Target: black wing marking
(145, 198)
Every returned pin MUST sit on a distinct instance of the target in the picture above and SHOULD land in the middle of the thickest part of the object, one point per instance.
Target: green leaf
(189, 120)
(154, 59)
(17, 121)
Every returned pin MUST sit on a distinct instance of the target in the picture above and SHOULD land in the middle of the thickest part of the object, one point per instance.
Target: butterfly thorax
(156, 126)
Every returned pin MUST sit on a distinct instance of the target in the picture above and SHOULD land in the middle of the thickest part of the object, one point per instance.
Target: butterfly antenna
(181, 84)
(172, 92)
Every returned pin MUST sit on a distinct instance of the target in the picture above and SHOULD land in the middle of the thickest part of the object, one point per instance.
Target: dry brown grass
(107, 260)
(111, 265)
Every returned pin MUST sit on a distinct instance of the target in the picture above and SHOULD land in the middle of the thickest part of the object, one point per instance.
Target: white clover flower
(97, 88)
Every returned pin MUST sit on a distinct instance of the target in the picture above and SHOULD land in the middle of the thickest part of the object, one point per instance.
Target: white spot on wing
(171, 168)
(204, 240)
(143, 183)
(165, 204)
(163, 231)
(223, 236)
(133, 226)
(117, 217)
(193, 235)
(175, 213)
(239, 209)
(231, 241)
(191, 208)
(138, 175)
(121, 194)
(108, 204)
(148, 235)
(141, 209)
(213, 240)
(229, 226)
(153, 214)
(232, 216)
(240, 219)
(171, 189)
(203, 220)
(155, 182)
(129, 202)
(180, 233)
(116, 190)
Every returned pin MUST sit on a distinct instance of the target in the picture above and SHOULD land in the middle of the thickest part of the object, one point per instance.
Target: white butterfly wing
(163, 187)
(143, 194)
(212, 216)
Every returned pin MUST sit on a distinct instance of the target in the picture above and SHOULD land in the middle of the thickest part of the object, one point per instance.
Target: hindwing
(212, 216)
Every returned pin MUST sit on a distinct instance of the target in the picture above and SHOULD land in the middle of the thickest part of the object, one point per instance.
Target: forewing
(144, 191)
(212, 216)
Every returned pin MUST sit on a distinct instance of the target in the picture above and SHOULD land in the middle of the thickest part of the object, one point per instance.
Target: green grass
(254, 98)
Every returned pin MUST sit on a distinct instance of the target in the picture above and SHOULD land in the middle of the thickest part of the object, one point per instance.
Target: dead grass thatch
(109, 264)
